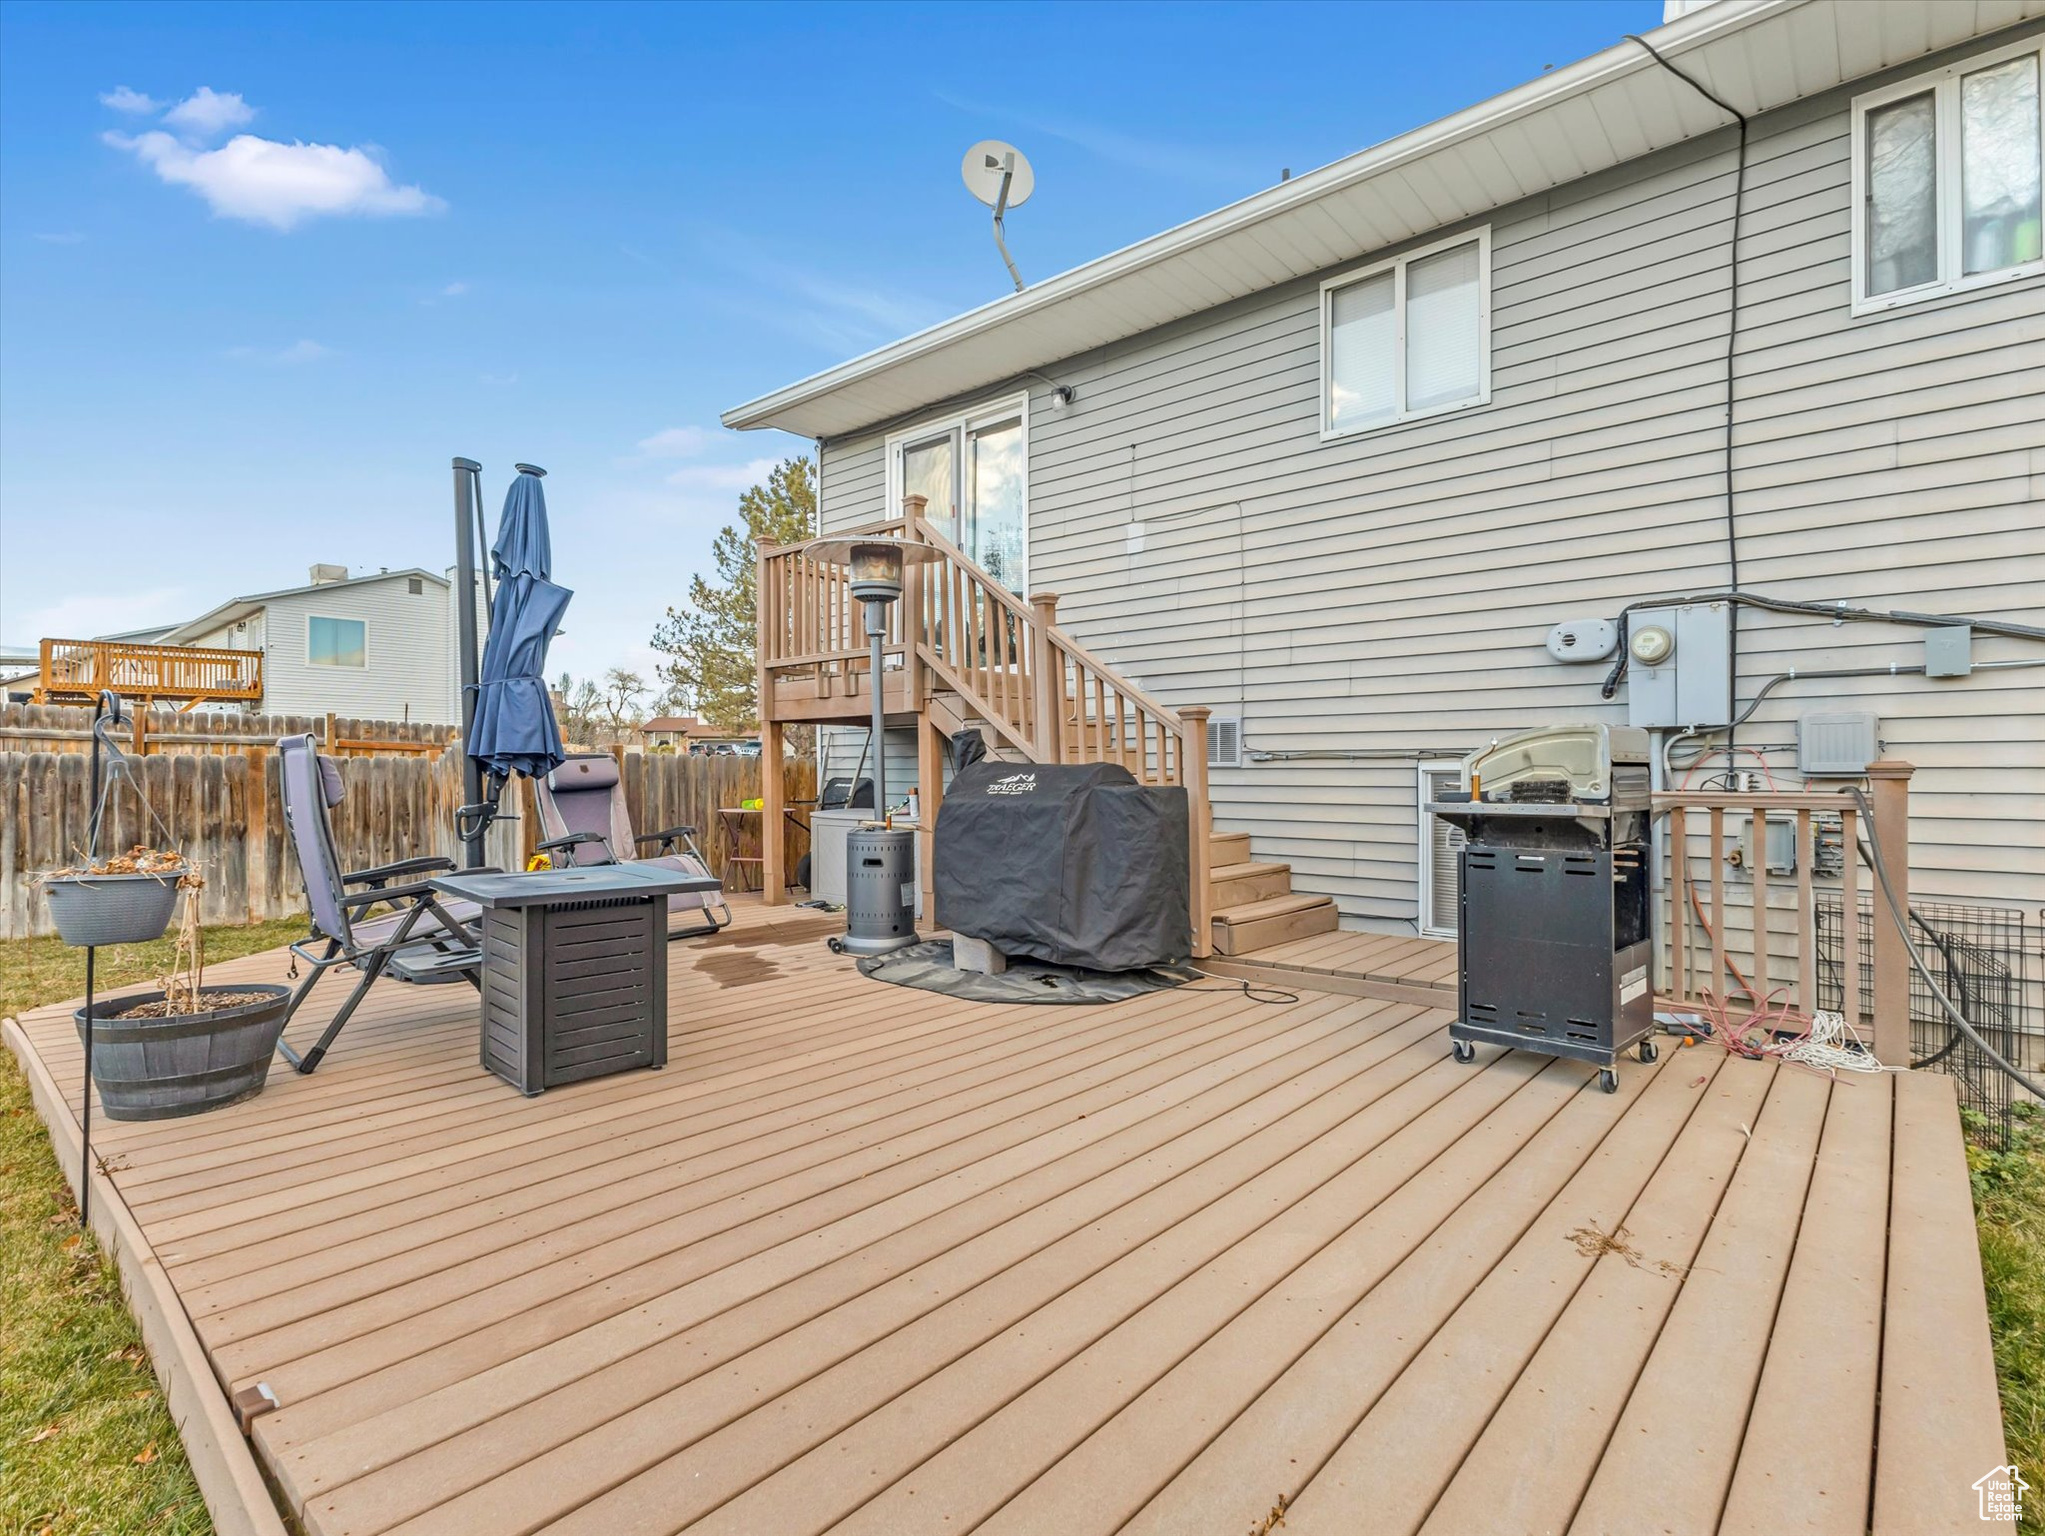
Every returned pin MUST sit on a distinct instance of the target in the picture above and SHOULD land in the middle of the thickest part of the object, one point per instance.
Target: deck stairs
(963, 651)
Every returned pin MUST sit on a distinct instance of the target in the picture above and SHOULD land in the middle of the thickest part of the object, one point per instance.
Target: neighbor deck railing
(80, 669)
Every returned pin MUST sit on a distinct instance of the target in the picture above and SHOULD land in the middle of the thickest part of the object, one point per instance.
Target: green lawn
(86, 1442)
(2009, 1205)
(87, 1446)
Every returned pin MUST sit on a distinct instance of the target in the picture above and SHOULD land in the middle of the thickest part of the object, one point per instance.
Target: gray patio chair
(422, 941)
(583, 814)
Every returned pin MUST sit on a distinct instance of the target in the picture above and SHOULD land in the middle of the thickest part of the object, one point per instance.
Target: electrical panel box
(1837, 746)
(1690, 683)
(1781, 850)
(1949, 651)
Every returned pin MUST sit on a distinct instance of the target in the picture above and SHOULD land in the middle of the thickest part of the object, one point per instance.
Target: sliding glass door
(973, 473)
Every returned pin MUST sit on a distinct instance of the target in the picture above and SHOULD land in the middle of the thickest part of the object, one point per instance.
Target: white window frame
(962, 424)
(336, 618)
(1397, 267)
(1944, 84)
(1423, 914)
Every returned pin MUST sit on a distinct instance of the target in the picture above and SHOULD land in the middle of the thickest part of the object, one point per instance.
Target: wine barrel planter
(159, 1069)
(111, 909)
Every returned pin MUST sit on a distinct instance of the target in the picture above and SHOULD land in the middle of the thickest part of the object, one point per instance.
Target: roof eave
(1622, 59)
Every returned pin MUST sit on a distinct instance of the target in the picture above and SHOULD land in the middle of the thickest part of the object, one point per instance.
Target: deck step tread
(1271, 906)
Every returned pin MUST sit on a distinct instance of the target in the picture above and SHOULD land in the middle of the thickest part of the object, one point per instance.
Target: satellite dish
(990, 162)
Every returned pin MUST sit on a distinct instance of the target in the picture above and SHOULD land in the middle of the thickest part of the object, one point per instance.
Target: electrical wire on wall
(1732, 337)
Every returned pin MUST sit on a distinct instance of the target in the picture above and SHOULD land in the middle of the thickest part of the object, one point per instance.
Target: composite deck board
(1402, 960)
(867, 1259)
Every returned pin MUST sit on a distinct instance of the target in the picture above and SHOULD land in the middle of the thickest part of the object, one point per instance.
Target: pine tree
(713, 643)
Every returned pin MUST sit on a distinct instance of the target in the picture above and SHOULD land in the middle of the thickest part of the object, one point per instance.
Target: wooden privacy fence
(222, 808)
(68, 728)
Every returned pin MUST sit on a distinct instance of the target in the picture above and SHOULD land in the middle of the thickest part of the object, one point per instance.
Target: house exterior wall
(1387, 594)
(410, 659)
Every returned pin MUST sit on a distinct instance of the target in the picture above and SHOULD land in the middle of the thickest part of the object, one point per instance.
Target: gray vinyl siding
(1388, 593)
(409, 655)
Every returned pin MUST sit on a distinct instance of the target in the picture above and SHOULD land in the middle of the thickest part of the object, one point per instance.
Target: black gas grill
(1556, 941)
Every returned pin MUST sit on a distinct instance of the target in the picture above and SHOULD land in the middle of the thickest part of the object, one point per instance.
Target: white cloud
(298, 352)
(124, 98)
(207, 112)
(454, 290)
(59, 236)
(722, 477)
(676, 443)
(263, 181)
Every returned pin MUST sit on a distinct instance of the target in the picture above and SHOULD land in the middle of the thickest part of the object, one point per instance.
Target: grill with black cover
(1077, 865)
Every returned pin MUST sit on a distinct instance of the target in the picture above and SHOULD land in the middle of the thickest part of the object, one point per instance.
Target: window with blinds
(1408, 337)
(1440, 841)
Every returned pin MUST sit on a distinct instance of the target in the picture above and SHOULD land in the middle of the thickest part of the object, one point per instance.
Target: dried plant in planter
(138, 860)
(184, 989)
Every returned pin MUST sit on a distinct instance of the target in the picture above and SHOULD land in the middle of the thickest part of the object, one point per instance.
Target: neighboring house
(1336, 459)
(378, 647)
(679, 733)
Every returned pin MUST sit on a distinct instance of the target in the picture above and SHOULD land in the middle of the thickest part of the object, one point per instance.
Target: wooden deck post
(1050, 682)
(930, 790)
(1200, 825)
(915, 678)
(773, 819)
(1889, 795)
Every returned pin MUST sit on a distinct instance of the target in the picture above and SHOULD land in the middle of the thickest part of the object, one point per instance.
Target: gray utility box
(574, 991)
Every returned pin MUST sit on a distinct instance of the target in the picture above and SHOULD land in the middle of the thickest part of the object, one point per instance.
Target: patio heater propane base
(880, 892)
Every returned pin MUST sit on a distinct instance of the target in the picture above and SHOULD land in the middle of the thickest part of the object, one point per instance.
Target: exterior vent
(1224, 741)
(1837, 746)
(327, 575)
(1440, 842)
(415, 585)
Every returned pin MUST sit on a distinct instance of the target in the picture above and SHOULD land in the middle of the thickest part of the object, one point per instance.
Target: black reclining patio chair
(422, 940)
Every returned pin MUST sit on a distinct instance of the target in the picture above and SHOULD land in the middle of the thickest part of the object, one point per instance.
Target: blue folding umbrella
(515, 730)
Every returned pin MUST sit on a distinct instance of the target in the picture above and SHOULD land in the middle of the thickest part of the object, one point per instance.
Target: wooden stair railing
(958, 630)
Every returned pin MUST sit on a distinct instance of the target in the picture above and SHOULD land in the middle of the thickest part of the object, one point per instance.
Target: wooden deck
(1389, 966)
(866, 1259)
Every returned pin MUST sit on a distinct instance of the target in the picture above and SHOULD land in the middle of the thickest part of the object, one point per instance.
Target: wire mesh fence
(1991, 962)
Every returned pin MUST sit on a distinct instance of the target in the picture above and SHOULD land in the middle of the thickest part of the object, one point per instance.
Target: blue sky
(265, 270)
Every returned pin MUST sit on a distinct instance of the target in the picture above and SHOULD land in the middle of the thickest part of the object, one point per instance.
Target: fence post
(1050, 681)
(1889, 795)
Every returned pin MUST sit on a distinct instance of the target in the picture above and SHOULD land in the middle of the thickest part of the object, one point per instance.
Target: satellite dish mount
(999, 175)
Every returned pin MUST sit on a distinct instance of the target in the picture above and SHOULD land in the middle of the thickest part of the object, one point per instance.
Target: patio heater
(880, 860)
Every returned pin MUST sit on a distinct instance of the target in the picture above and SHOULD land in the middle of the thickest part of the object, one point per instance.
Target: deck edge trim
(236, 1494)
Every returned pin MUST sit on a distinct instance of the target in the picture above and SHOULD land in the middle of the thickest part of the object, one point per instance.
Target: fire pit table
(574, 969)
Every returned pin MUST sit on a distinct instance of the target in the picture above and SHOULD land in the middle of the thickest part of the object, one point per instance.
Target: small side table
(731, 824)
(574, 969)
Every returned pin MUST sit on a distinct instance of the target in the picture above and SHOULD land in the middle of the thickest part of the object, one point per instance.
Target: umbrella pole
(465, 505)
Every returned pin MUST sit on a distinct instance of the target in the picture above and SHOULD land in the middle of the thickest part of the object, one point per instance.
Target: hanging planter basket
(112, 909)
